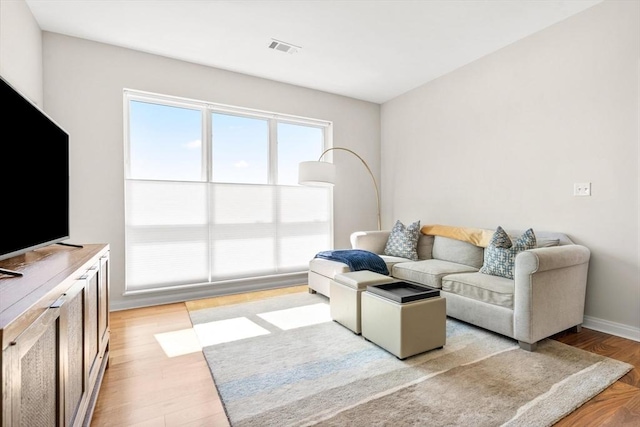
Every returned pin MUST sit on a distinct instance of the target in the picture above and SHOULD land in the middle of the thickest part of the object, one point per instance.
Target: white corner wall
(85, 82)
(502, 140)
(21, 49)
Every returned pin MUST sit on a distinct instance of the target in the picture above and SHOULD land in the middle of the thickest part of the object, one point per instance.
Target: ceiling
(369, 50)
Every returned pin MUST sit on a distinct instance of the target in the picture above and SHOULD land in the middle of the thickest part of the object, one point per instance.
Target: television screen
(34, 172)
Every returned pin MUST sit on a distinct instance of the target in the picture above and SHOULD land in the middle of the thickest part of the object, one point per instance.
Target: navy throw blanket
(356, 259)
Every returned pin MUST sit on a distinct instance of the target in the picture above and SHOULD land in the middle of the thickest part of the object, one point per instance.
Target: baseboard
(193, 293)
(613, 328)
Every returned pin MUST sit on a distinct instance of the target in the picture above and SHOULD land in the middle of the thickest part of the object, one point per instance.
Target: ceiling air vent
(283, 46)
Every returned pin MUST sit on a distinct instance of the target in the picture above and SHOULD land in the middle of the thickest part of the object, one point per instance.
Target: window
(211, 193)
(165, 142)
(240, 151)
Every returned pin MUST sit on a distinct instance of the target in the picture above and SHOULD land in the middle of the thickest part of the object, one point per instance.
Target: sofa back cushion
(425, 246)
(457, 251)
(545, 238)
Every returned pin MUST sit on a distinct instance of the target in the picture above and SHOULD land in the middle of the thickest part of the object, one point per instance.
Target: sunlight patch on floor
(178, 343)
(299, 316)
(185, 341)
(228, 330)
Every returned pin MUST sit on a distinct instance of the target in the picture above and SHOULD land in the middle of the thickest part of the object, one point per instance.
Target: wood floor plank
(114, 404)
(138, 367)
(193, 413)
(602, 407)
(156, 422)
(147, 392)
(145, 387)
(142, 326)
(132, 412)
(627, 415)
(219, 420)
(154, 310)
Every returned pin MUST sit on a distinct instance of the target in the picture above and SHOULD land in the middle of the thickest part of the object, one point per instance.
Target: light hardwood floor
(145, 387)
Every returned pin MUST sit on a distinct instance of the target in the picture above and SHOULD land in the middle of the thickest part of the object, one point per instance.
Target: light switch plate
(582, 189)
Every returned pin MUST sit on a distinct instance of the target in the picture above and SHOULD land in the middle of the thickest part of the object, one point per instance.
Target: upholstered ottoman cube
(404, 328)
(345, 290)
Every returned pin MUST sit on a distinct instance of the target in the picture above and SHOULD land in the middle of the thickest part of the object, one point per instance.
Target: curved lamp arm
(375, 185)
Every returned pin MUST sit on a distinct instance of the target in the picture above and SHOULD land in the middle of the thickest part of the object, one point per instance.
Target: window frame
(207, 109)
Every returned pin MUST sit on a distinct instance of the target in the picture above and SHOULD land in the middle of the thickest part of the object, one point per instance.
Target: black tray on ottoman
(402, 292)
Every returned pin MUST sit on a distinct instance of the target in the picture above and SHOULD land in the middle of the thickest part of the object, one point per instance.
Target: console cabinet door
(92, 363)
(103, 302)
(72, 337)
(34, 373)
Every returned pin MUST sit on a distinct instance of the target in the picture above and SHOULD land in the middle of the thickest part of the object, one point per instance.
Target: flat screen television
(34, 174)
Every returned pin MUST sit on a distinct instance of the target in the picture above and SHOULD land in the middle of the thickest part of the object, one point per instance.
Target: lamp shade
(317, 174)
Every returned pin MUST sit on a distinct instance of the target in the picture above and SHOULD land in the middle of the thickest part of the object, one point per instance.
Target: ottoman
(345, 290)
(321, 271)
(407, 325)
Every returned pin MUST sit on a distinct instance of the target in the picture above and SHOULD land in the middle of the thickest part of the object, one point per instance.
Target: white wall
(502, 140)
(21, 49)
(85, 82)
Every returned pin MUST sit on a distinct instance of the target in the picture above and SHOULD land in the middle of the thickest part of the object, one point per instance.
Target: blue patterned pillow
(403, 241)
(500, 254)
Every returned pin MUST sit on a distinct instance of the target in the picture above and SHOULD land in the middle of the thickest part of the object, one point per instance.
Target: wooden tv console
(54, 330)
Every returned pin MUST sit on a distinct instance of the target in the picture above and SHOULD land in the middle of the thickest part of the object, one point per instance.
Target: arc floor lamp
(323, 174)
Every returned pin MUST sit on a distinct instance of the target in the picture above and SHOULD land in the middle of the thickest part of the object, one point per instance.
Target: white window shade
(196, 233)
(167, 235)
(261, 230)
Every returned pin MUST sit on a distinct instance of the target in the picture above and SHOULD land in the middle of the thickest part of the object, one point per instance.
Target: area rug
(281, 361)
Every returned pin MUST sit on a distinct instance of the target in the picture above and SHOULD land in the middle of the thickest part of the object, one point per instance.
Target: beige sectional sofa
(546, 295)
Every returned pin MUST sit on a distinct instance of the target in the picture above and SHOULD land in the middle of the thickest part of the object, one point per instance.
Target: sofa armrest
(374, 241)
(550, 290)
(551, 258)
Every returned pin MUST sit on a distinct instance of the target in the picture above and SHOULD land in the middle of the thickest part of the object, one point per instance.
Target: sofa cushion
(546, 242)
(403, 241)
(482, 287)
(541, 242)
(452, 250)
(428, 272)
(425, 246)
(500, 255)
(393, 260)
(543, 236)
